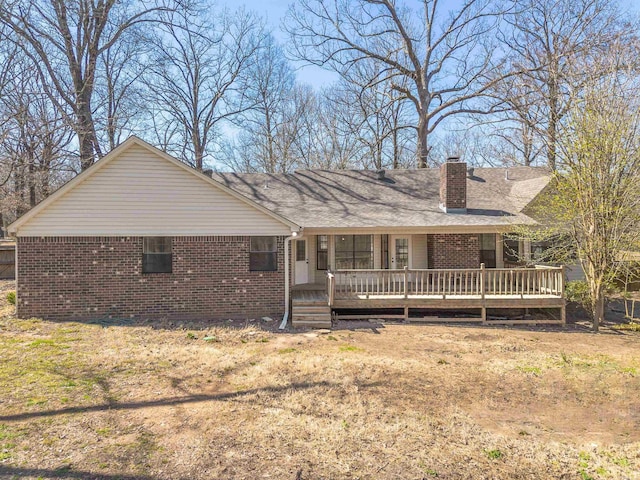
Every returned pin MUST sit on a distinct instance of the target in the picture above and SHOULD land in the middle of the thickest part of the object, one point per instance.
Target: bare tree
(120, 107)
(517, 130)
(547, 40)
(436, 59)
(196, 75)
(327, 143)
(371, 110)
(65, 40)
(34, 138)
(269, 128)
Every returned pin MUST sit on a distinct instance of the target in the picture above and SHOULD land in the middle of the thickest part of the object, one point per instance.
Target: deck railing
(443, 283)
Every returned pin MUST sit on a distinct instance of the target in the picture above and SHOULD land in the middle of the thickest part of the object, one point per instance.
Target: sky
(274, 12)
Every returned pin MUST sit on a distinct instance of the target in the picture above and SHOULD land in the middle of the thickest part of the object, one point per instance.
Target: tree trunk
(552, 127)
(598, 309)
(19, 186)
(423, 142)
(395, 148)
(527, 137)
(86, 149)
(198, 148)
(271, 161)
(86, 131)
(32, 184)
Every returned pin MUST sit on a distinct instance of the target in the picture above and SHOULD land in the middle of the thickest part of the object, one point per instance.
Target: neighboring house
(141, 234)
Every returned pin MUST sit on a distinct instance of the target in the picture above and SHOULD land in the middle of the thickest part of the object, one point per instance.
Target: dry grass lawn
(107, 401)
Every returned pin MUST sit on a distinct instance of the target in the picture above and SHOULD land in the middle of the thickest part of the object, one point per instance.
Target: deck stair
(310, 308)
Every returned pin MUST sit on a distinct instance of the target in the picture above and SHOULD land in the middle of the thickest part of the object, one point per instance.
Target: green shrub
(578, 292)
(494, 454)
(11, 298)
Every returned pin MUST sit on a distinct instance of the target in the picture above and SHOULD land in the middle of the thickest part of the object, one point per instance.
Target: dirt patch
(195, 401)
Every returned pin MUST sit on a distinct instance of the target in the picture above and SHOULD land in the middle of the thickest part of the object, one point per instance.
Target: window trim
(145, 255)
(274, 252)
(324, 251)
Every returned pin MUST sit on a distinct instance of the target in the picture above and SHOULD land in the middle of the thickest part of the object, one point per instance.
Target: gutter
(287, 274)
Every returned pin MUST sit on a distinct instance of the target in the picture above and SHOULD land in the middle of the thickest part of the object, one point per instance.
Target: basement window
(263, 254)
(156, 255)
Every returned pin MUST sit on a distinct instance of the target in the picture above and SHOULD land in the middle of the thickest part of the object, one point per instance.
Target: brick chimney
(453, 186)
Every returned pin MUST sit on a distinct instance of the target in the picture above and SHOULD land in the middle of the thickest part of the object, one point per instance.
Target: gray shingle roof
(406, 198)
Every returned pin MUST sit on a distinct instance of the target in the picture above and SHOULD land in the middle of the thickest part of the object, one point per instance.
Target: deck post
(331, 288)
(406, 281)
(482, 293)
(563, 309)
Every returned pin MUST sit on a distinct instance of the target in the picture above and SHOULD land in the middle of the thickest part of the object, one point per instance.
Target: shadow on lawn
(65, 472)
(164, 401)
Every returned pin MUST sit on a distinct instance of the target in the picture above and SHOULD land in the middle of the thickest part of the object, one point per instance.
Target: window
(322, 258)
(384, 251)
(541, 252)
(301, 250)
(263, 254)
(511, 250)
(488, 249)
(156, 255)
(354, 252)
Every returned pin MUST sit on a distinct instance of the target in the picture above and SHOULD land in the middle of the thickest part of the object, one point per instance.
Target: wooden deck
(465, 289)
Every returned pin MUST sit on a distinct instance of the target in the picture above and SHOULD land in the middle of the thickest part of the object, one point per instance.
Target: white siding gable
(141, 193)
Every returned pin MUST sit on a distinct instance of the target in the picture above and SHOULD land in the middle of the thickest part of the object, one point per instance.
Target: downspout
(287, 274)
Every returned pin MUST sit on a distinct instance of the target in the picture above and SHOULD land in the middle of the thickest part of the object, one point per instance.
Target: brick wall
(453, 185)
(455, 251)
(98, 277)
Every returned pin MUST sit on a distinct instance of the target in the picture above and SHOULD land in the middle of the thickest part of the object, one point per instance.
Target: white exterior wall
(499, 251)
(141, 193)
(419, 252)
(574, 272)
(315, 275)
(377, 251)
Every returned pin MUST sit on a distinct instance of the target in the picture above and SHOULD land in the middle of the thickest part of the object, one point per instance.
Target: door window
(401, 252)
(301, 251)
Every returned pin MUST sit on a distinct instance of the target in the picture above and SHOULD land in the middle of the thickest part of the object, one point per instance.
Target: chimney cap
(453, 158)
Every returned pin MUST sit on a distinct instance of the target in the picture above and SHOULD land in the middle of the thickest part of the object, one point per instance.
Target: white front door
(400, 251)
(302, 263)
